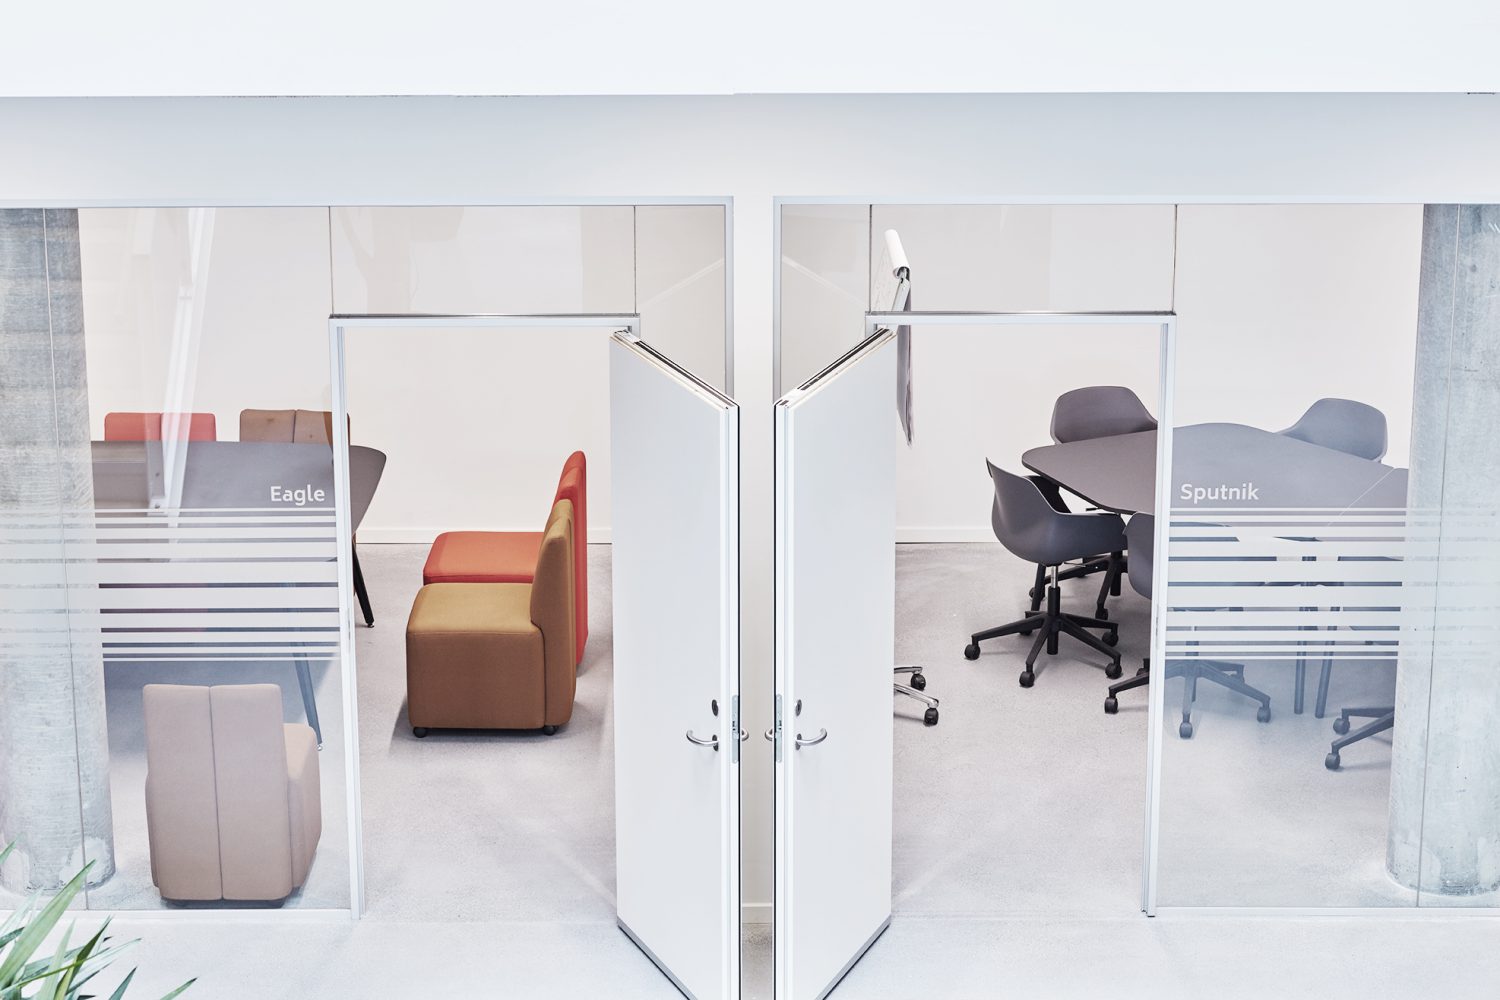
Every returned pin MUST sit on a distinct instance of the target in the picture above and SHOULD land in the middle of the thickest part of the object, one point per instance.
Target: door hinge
(774, 735)
(734, 729)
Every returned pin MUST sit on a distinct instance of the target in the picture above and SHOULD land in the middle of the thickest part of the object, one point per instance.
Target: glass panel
(1283, 582)
(214, 555)
(825, 286)
(680, 285)
(1445, 794)
(1000, 258)
(449, 259)
(52, 726)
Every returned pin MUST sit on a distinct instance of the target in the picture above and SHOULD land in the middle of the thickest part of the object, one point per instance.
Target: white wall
(1041, 149)
(476, 424)
(301, 47)
(1278, 305)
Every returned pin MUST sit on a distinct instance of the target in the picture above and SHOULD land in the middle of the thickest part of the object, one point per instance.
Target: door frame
(1166, 322)
(339, 325)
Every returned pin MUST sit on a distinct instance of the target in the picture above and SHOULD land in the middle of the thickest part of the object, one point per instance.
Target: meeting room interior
(1034, 523)
(464, 441)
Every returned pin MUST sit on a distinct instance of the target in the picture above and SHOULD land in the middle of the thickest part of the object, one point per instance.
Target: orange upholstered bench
(511, 556)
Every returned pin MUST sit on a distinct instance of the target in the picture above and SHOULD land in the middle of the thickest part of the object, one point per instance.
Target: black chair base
(1383, 719)
(1051, 624)
(1227, 675)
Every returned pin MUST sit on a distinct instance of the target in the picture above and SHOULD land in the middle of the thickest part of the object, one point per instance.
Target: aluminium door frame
(1166, 322)
(338, 326)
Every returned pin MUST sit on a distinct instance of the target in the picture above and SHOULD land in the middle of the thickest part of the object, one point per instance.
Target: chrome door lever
(822, 735)
(712, 741)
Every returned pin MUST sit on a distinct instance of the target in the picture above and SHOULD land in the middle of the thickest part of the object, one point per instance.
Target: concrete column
(54, 749)
(1445, 779)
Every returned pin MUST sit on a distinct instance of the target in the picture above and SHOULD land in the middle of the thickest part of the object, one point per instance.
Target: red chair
(148, 427)
(510, 556)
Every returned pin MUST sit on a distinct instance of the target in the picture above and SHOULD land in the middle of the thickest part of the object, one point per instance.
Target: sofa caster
(549, 730)
(420, 732)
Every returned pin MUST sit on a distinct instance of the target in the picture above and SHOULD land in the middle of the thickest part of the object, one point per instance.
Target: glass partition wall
(1329, 594)
(174, 709)
(1330, 556)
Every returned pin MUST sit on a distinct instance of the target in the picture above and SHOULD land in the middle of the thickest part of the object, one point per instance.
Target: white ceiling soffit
(98, 48)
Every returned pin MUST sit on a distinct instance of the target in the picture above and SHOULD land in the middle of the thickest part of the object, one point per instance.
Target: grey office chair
(1344, 425)
(1095, 411)
(1031, 525)
(1140, 535)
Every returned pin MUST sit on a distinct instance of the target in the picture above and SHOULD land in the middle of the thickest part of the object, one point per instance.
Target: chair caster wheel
(971, 652)
(1113, 671)
(1185, 730)
(1332, 762)
(1102, 614)
(1341, 725)
(919, 682)
(930, 717)
(1111, 705)
(549, 730)
(1027, 678)
(1026, 632)
(1263, 714)
(420, 732)
(1142, 670)
(1111, 638)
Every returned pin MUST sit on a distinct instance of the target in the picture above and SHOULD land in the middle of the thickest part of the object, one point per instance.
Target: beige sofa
(233, 805)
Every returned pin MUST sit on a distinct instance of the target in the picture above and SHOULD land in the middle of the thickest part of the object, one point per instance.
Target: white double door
(675, 495)
(836, 441)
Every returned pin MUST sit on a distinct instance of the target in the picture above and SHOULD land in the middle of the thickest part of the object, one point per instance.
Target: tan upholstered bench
(497, 655)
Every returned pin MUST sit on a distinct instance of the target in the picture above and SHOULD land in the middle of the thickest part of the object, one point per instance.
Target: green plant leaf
(180, 990)
(37, 931)
(125, 985)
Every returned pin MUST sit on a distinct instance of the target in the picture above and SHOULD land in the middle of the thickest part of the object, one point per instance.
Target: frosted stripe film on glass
(1337, 584)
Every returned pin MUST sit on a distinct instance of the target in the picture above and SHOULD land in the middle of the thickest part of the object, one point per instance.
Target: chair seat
(483, 557)
(474, 659)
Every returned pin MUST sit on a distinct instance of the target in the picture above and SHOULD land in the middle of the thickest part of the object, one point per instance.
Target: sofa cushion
(483, 557)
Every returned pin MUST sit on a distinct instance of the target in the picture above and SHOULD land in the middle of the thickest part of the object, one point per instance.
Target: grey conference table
(1118, 473)
(224, 475)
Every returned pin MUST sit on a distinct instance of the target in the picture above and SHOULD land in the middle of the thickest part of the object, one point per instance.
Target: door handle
(822, 735)
(744, 736)
(712, 741)
(770, 735)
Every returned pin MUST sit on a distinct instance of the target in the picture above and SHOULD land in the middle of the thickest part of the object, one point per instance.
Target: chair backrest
(1026, 522)
(216, 791)
(148, 427)
(552, 605)
(1140, 534)
(288, 426)
(1345, 425)
(1096, 411)
(573, 487)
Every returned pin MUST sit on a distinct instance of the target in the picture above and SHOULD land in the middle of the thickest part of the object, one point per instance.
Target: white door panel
(835, 645)
(675, 455)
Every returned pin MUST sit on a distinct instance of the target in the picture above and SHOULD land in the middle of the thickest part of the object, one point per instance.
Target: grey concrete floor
(1018, 833)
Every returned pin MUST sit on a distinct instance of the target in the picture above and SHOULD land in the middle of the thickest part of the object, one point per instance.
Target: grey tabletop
(1119, 473)
(228, 474)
